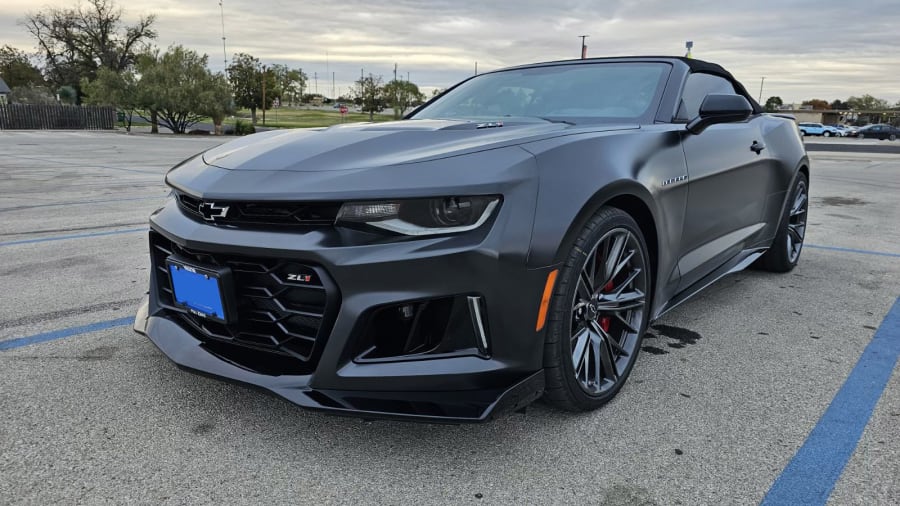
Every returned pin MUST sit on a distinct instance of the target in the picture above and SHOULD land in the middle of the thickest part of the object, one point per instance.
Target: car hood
(365, 145)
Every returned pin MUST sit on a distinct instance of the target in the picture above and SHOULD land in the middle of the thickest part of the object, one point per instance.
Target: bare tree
(76, 42)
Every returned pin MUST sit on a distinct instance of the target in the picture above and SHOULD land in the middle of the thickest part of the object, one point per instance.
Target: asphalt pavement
(750, 390)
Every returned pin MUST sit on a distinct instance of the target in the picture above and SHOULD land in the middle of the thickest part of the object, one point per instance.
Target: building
(4, 92)
(835, 117)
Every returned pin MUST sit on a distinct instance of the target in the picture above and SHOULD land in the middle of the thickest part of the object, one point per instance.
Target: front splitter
(451, 407)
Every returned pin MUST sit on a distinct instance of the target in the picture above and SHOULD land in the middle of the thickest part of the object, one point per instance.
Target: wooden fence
(56, 117)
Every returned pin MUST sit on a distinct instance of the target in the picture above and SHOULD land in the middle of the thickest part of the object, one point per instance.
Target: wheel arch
(630, 197)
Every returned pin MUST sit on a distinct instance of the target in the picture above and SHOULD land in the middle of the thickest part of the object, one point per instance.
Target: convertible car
(509, 240)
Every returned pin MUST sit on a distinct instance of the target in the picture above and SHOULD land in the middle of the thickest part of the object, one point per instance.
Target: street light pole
(224, 52)
(583, 46)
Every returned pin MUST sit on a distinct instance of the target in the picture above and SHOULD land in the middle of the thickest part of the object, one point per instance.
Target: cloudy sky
(805, 49)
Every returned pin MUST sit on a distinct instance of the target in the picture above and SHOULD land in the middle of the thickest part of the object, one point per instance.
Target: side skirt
(737, 263)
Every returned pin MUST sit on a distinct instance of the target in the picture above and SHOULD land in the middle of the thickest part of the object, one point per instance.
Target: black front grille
(260, 214)
(283, 306)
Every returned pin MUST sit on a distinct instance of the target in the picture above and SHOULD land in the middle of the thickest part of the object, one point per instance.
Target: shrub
(241, 127)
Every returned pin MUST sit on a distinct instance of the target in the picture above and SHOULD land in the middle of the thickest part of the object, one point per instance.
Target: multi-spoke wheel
(784, 253)
(600, 310)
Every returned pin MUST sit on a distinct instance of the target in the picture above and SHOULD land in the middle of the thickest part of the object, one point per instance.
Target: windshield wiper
(555, 120)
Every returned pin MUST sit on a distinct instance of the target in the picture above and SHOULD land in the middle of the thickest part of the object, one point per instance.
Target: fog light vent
(447, 326)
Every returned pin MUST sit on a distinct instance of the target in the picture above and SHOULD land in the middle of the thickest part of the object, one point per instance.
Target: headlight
(444, 215)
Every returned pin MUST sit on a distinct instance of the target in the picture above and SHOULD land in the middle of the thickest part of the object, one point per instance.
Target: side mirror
(720, 109)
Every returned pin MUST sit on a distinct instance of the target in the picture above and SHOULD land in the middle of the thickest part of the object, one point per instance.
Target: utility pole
(583, 46)
(332, 86)
(761, 82)
(395, 71)
(224, 52)
(316, 79)
(476, 68)
(264, 94)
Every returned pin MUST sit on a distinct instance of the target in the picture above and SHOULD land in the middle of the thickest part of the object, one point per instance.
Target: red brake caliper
(605, 320)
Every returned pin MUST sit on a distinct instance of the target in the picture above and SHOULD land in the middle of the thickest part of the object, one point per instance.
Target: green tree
(866, 103)
(76, 42)
(247, 80)
(773, 103)
(176, 86)
(289, 83)
(16, 69)
(217, 101)
(369, 94)
(118, 89)
(837, 105)
(817, 104)
(401, 95)
(67, 95)
(31, 95)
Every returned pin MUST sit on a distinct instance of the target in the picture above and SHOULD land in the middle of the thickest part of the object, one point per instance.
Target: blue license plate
(198, 290)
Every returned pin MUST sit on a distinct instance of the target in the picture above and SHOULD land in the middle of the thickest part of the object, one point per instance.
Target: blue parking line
(64, 333)
(851, 250)
(74, 236)
(812, 474)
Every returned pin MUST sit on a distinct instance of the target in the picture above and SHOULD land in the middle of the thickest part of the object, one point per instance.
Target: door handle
(757, 147)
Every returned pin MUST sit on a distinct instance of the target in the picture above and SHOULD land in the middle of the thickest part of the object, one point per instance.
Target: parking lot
(729, 386)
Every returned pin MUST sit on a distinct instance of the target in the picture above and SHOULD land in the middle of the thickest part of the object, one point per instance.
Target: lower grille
(285, 315)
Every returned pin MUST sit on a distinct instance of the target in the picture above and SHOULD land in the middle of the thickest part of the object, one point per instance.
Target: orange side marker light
(545, 299)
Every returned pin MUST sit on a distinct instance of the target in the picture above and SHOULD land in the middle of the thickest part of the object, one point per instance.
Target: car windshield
(573, 93)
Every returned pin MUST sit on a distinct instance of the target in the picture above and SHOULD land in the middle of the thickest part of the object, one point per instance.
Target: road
(729, 386)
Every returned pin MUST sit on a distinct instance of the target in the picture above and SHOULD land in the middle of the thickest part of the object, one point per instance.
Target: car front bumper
(458, 386)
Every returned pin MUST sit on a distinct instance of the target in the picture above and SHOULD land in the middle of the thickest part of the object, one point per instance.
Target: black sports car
(508, 240)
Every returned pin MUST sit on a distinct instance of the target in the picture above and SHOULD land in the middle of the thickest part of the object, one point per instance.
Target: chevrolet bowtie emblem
(211, 212)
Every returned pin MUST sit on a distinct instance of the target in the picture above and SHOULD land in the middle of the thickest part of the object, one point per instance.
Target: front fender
(579, 174)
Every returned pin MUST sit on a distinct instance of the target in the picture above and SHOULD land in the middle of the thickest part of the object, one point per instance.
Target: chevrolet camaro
(509, 240)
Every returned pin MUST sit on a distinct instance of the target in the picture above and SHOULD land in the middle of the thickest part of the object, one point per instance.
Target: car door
(729, 173)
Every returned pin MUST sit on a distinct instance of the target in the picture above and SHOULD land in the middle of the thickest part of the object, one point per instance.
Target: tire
(860, 136)
(826, 134)
(784, 253)
(802, 133)
(595, 327)
(893, 137)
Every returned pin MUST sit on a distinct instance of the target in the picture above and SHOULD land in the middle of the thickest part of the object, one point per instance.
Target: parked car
(879, 131)
(503, 243)
(848, 130)
(842, 130)
(819, 129)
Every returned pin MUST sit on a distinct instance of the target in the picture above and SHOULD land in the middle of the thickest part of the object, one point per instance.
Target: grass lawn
(304, 118)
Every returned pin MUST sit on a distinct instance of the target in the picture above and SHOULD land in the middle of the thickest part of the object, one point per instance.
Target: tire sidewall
(777, 258)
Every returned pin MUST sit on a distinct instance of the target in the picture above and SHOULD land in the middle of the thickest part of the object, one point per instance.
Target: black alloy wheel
(784, 253)
(796, 229)
(601, 307)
